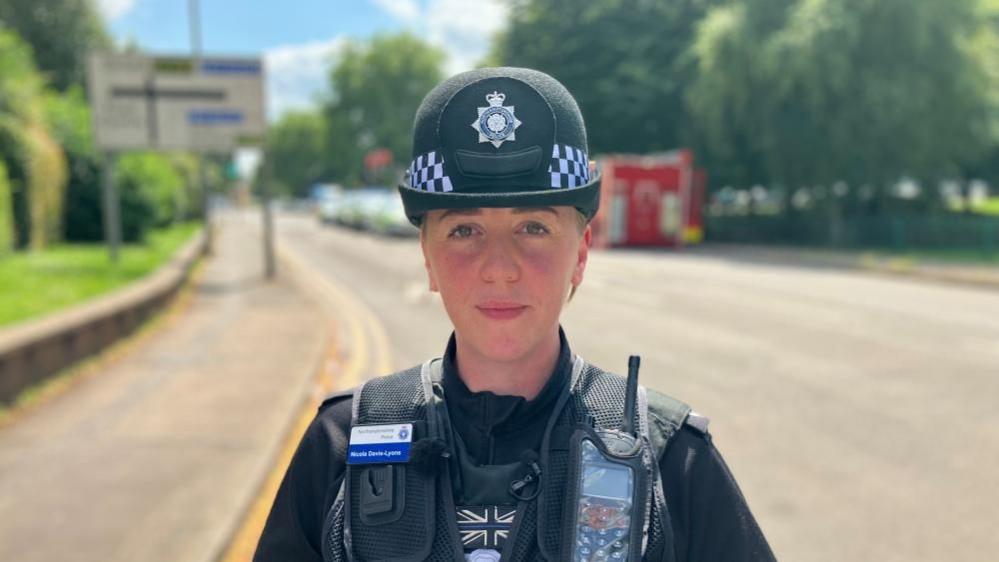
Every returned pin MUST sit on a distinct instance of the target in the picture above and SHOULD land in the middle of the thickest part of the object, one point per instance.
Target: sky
(299, 39)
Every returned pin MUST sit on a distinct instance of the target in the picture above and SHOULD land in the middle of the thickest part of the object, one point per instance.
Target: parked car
(359, 205)
(390, 219)
(327, 199)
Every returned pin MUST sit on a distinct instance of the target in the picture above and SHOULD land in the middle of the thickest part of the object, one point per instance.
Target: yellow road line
(360, 321)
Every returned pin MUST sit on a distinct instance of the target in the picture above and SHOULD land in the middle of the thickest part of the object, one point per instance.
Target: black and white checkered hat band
(570, 167)
(426, 173)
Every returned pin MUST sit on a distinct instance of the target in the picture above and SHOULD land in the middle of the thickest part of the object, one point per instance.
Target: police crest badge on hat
(496, 123)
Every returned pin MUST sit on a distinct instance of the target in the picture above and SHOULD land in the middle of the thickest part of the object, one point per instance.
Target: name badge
(380, 443)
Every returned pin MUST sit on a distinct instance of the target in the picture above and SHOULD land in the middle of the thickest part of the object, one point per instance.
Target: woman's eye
(535, 228)
(460, 231)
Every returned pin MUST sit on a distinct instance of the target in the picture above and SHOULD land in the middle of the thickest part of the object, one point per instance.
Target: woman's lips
(501, 311)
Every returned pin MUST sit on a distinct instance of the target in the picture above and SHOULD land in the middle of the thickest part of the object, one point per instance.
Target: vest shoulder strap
(396, 398)
(417, 518)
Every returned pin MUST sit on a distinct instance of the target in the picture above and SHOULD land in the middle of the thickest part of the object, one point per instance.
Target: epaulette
(334, 396)
(666, 416)
(698, 422)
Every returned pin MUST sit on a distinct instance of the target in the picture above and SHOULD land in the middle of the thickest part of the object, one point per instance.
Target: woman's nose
(500, 262)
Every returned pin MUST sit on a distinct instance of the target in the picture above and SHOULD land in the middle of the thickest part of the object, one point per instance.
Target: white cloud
(299, 74)
(114, 9)
(463, 28)
(405, 10)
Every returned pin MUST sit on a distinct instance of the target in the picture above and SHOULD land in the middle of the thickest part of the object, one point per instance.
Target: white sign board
(208, 105)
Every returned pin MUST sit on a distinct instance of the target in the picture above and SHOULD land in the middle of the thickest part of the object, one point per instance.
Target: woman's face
(504, 274)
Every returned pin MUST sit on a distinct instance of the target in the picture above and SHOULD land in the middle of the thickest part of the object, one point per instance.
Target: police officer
(510, 446)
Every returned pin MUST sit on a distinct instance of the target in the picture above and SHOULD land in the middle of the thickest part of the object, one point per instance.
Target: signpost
(206, 105)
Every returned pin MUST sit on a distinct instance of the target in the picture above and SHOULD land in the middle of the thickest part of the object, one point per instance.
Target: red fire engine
(652, 200)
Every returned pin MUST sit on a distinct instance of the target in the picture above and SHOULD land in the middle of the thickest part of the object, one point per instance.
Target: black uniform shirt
(710, 518)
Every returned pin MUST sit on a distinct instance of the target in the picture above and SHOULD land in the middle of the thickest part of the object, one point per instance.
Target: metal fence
(897, 233)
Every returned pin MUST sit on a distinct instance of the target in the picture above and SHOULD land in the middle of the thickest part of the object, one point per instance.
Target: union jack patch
(485, 526)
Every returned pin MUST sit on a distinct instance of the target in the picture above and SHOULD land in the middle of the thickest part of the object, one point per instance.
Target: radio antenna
(631, 395)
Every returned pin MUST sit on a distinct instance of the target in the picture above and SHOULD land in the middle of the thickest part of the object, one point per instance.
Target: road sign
(206, 105)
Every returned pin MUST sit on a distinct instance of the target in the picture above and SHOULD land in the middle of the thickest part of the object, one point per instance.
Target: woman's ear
(432, 283)
(582, 253)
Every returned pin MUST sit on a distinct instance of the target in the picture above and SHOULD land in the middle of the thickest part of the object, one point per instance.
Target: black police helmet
(499, 137)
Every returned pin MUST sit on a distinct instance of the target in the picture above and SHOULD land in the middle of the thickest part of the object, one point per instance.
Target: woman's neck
(525, 376)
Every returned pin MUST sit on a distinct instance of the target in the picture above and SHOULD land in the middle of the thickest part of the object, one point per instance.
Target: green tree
(296, 150)
(375, 90)
(61, 32)
(69, 119)
(36, 164)
(624, 61)
(863, 91)
(985, 46)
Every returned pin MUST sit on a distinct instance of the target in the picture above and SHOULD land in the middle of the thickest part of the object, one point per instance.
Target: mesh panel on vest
(601, 394)
(444, 545)
(526, 550)
(555, 484)
(382, 397)
(657, 545)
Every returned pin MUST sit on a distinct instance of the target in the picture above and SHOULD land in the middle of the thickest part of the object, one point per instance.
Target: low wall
(35, 350)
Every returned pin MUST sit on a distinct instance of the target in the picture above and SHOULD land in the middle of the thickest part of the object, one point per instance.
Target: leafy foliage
(148, 185)
(819, 91)
(837, 98)
(69, 118)
(295, 147)
(61, 32)
(36, 164)
(376, 88)
(624, 61)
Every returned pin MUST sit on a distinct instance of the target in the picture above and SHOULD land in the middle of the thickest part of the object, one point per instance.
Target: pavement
(156, 457)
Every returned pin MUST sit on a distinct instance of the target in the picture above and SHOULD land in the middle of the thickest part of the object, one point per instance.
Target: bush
(83, 220)
(85, 210)
(151, 191)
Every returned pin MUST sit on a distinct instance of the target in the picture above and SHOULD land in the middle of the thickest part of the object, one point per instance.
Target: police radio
(608, 488)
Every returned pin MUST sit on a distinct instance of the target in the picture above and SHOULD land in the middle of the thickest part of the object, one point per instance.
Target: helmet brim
(585, 198)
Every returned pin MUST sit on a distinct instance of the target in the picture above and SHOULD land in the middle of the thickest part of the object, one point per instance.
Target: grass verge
(36, 283)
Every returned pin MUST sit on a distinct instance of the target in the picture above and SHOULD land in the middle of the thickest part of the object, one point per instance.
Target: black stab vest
(423, 525)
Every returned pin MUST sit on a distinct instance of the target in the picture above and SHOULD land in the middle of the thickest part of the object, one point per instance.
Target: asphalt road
(860, 414)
